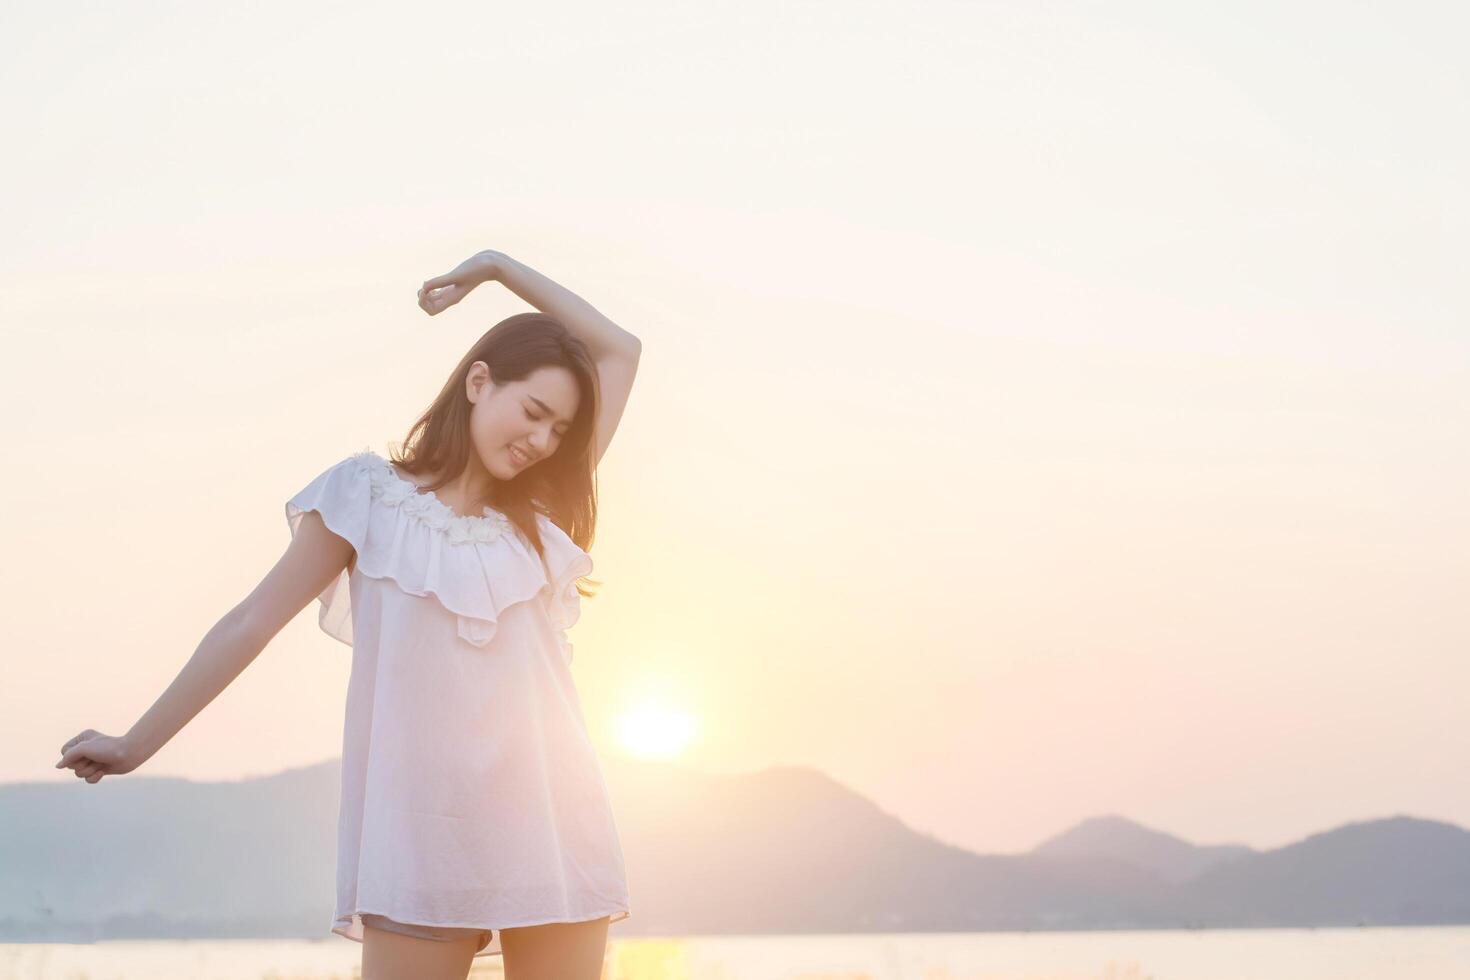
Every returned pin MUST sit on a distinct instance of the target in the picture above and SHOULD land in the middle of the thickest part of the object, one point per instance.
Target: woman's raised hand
(442, 292)
(94, 755)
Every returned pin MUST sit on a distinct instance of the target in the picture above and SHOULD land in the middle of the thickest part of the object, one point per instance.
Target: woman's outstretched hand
(94, 755)
(442, 292)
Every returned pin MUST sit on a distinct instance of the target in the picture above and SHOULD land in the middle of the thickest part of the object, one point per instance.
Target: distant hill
(1167, 856)
(782, 850)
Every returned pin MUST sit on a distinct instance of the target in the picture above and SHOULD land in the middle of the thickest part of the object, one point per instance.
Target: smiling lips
(519, 456)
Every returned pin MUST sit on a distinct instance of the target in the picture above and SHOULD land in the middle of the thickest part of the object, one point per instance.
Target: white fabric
(472, 795)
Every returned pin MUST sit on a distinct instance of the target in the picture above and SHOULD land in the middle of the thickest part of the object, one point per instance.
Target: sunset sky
(1046, 410)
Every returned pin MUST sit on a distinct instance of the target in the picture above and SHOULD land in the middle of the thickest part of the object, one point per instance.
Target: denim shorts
(440, 933)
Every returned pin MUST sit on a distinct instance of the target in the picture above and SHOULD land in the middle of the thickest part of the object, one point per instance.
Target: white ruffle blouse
(472, 796)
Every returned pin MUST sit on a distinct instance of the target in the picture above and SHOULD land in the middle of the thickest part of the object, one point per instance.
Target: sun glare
(655, 732)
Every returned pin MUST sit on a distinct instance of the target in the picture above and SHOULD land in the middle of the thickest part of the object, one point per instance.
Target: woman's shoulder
(406, 535)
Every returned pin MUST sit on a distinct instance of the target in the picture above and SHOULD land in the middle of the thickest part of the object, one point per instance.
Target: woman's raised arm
(615, 350)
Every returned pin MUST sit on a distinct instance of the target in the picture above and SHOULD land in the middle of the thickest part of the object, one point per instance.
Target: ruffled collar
(424, 506)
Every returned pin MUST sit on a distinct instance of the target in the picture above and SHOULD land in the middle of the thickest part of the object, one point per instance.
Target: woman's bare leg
(555, 951)
(393, 956)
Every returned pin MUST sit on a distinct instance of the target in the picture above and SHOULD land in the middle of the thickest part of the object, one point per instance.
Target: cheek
(487, 442)
(492, 431)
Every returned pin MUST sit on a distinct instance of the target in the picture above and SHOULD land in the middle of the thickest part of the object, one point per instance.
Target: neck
(473, 488)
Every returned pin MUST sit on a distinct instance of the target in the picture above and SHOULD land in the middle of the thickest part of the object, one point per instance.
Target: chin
(506, 467)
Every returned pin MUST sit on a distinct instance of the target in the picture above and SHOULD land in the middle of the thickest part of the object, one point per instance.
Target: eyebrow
(545, 407)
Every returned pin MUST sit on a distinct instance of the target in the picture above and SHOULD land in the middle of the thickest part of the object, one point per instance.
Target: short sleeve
(565, 562)
(342, 495)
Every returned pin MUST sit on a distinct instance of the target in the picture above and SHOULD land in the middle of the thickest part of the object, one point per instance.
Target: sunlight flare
(654, 731)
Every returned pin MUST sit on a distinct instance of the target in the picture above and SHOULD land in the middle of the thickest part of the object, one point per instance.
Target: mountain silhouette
(1112, 836)
(781, 850)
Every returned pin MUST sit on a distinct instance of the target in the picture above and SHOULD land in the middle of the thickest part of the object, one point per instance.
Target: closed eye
(537, 418)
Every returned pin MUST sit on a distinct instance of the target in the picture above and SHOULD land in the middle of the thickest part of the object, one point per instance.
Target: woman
(474, 818)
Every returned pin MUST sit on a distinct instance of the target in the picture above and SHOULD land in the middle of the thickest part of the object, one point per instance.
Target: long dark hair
(563, 485)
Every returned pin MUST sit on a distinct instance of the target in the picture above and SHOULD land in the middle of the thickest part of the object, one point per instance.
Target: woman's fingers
(72, 756)
(77, 738)
(89, 751)
(428, 300)
(444, 291)
(71, 752)
(97, 755)
(91, 770)
(438, 300)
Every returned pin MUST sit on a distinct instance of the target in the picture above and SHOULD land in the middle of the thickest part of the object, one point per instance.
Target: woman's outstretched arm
(312, 560)
(615, 350)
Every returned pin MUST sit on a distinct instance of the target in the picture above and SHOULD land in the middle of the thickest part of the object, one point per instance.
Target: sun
(655, 731)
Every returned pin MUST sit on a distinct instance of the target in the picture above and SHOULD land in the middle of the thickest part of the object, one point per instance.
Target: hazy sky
(1046, 410)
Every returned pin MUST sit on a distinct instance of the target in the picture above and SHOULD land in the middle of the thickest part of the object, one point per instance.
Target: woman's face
(529, 416)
